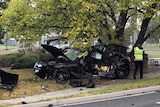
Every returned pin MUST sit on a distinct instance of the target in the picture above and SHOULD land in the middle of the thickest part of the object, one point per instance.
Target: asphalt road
(142, 100)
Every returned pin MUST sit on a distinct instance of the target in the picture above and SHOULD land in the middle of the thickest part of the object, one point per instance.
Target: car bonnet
(53, 50)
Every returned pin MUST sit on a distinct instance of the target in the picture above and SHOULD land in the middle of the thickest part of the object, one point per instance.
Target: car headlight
(39, 65)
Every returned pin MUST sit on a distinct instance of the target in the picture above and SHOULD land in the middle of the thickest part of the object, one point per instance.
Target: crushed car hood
(53, 50)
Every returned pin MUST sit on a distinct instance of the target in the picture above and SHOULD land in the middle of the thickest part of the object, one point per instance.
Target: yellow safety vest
(138, 54)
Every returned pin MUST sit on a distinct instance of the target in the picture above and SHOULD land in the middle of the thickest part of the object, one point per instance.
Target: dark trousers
(138, 65)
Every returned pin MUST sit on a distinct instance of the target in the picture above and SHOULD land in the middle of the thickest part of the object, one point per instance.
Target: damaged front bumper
(8, 80)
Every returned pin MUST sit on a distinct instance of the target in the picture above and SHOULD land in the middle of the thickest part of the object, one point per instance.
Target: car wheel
(62, 75)
(122, 72)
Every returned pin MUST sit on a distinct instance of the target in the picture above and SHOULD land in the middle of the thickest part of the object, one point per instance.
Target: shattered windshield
(72, 54)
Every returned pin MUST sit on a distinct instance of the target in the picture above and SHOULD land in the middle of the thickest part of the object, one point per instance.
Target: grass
(28, 85)
(8, 47)
(153, 55)
(119, 87)
(151, 46)
(128, 86)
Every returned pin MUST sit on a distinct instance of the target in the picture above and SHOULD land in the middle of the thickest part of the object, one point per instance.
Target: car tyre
(62, 76)
(122, 72)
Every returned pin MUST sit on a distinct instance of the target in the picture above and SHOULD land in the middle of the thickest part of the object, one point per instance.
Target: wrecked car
(7, 80)
(64, 65)
(109, 61)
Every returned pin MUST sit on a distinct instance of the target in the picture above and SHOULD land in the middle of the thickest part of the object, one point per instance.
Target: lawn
(2, 47)
(152, 50)
(151, 46)
(28, 85)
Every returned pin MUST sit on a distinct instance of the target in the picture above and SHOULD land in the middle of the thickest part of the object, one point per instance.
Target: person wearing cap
(138, 61)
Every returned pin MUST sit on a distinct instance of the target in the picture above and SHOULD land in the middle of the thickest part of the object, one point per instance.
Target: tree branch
(144, 25)
(112, 15)
(62, 27)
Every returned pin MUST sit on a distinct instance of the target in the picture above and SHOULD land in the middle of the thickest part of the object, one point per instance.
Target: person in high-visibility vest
(138, 60)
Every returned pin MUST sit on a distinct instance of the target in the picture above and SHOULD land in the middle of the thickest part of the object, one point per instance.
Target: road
(142, 100)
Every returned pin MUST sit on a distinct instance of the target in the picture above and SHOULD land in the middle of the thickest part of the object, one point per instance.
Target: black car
(63, 66)
(108, 61)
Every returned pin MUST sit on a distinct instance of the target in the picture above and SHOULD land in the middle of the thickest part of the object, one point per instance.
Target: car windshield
(72, 54)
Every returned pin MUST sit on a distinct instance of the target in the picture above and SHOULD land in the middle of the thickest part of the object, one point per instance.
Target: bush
(29, 59)
(22, 60)
(26, 61)
(9, 59)
(44, 55)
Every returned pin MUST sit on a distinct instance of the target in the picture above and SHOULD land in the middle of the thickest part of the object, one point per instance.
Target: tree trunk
(142, 33)
(121, 26)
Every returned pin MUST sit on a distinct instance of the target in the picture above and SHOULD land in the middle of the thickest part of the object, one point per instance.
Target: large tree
(83, 20)
(18, 18)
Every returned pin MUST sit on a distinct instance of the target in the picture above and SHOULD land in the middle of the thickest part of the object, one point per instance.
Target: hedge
(22, 60)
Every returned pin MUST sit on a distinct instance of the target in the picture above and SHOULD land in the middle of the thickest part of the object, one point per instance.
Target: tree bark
(121, 25)
(142, 33)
